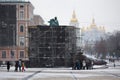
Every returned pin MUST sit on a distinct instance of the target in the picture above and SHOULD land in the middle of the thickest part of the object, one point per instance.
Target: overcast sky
(105, 12)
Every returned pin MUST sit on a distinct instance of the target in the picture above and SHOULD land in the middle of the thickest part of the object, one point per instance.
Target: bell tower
(74, 20)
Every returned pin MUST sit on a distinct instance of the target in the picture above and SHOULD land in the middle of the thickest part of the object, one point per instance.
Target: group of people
(84, 64)
(18, 64)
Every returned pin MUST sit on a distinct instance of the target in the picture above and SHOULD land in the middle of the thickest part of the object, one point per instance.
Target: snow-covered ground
(110, 73)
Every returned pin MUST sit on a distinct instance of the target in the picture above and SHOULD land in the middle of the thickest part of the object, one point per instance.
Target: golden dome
(93, 25)
(74, 19)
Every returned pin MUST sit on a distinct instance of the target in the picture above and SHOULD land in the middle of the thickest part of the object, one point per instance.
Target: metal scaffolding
(7, 25)
(51, 46)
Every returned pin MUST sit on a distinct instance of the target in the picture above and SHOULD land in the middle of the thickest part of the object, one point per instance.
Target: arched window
(21, 28)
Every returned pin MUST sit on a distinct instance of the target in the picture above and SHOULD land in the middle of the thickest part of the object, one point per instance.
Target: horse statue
(53, 22)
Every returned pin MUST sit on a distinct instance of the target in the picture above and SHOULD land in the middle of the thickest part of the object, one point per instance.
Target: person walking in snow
(19, 64)
(84, 64)
(23, 67)
(8, 66)
(16, 66)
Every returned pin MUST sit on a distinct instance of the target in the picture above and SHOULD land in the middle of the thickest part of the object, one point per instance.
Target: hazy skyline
(105, 12)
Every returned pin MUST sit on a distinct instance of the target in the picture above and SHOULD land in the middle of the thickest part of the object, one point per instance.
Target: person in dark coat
(87, 64)
(19, 64)
(8, 66)
(16, 66)
(77, 64)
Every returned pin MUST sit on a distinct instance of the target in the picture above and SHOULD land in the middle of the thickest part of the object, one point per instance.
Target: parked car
(96, 61)
(99, 62)
(3, 65)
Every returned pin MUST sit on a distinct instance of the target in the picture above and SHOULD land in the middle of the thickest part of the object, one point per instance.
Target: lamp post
(114, 58)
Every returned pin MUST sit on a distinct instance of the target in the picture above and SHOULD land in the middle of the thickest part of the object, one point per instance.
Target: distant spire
(73, 15)
(93, 21)
(74, 19)
(93, 25)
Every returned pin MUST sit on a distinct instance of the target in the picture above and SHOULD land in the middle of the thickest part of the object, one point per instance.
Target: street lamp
(114, 58)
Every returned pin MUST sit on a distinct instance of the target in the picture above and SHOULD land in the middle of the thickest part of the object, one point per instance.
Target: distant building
(92, 33)
(38, 20)
(15, 17)
(74, 22)
(51, 46)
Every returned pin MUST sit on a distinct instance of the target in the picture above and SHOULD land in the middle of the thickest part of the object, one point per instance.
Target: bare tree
(100, 48)
(111, 45)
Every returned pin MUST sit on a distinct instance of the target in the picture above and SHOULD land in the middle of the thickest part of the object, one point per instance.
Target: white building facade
(74, 22)
(91, 34)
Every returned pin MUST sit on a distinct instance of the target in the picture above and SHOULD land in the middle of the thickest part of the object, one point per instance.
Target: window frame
(21, 54)
(4, 54)
(21, 41)
(21, 14)
(21, 29)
